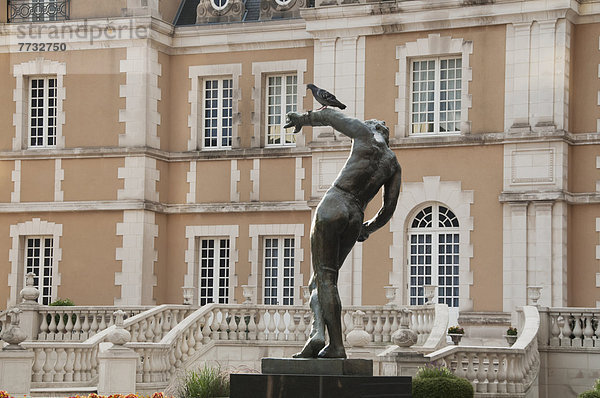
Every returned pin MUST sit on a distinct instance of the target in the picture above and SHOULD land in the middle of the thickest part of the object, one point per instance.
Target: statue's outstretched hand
(295, 120)
(364, 233)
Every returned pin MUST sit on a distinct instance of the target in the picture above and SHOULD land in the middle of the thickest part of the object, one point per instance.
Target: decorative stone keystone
(188, 295)
(404, 336)
(358, 337)
(13, 334)
(29, 293)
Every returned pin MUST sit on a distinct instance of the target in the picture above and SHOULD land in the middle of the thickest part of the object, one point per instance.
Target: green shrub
(62, 303)
(590, 394)
(440, 382)
(204, 383)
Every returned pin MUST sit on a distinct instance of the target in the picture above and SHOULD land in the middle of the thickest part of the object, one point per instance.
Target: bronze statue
(338, 221)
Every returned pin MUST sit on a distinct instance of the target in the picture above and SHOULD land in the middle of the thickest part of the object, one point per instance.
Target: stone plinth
(117, 371)
(321, 366)
(15, 372)
(398, 361)
(318, 378)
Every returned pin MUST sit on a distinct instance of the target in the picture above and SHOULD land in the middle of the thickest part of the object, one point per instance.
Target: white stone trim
(141, 93)
(191, 179)
(256, 232)
(141, 177)
(59, 176)
(22, 72)
(259, 70)
(300, 175)
(597, 279)
(236, 176)
(255, 178)
(35, 227)
(413, 196)
(137, 255)
(434, 45)
(598, 167)
(15, 195)
(196, 73)
(192, 233)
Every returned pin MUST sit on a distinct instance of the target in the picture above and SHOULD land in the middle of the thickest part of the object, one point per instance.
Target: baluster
(215, 325)
(111, 319)
(519, 372)
(271, 326)
(178, 353)
(59, 366)
(77, 328)
(166, 323)
(223, 335)
(471, 375)
(301, 329)
(292, 326)
(501, 376)
(377, 332)
(77, 366)
(206, 332)
(149, 332)
(85, 327)
(49, 364)
(147, 375)
(370, 326)
(252, 325)
(172, 361)
(565, 341)
(174, 322)
(139, 370)
(577, 332)
(198, 336)
(261, 325)
(387, 327)
(158, 327)
(184, 346)
(460, 367)
(192, 340)
(492, 373)
(69, 364)
(280, 326)
(597, 332)
(143, 325)
(38, 363)
(510, 373)
(52, 326)
(482, 382)
(94, 361)
(588, 332)
(394, 322)
(60, 328)
(135, 328)
(233, 327)
(94, 326)
(555, 331)
(42, 335)
(102, 325)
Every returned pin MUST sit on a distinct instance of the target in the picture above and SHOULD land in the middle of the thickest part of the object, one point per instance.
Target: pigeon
(324, 97)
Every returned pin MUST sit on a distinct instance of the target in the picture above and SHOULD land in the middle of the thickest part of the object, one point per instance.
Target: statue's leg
(317, 333)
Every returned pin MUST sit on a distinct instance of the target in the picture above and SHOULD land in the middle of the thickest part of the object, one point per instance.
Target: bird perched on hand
(324, 97)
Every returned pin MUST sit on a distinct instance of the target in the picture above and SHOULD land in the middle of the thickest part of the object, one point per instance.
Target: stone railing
(78, 323)
(502, 371)
(76, 363)
(3, 320)
(572, 328)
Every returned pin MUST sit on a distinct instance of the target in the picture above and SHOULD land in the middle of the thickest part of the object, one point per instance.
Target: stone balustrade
(572, 327)
(503, 371)
(3, 320)
(78, 323)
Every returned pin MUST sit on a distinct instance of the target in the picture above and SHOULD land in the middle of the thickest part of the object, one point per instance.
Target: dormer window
(219, 4)
(283, 2)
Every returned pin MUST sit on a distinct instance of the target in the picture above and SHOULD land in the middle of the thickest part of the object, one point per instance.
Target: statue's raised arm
(346, 125)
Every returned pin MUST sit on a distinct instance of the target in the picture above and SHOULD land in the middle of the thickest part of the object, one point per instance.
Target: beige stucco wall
(177, 183)
(584, 110)
(177, 244)
(180, 85)
(486, 88)
(3, 10)
(245, 184)
(277, 179)
(81, 9)
(7, 105)
(37, 180)
(91, 178)
(6, 168)
(213, 181)
(583, 173)
(162, 186)
(582, 263)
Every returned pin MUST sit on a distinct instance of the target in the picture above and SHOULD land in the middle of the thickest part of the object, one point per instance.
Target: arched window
(433, 244)
(219, 4)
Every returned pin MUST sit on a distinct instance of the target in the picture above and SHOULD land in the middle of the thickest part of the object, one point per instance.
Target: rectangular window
(218, 113)
(214, 271)
(42, 112)
(39, 254)
(436, 86)
(279, 271)
(282, 94)
(420, 266)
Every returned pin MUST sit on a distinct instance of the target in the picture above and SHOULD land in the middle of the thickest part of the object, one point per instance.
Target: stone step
(62, 392)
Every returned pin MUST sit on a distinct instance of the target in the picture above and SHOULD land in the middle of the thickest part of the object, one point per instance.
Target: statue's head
(380, 127)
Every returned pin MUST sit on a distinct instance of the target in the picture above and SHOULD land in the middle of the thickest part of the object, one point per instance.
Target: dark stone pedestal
(318, 378)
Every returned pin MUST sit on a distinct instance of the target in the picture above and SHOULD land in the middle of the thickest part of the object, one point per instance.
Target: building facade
(142, 148)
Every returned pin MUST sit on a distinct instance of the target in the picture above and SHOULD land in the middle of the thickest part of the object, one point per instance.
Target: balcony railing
(38, 10)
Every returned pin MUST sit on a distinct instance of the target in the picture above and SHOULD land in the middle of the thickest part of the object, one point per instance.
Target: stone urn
(510, 339)
(358, 336)
(429, 293)
(455, 337)
(188, 295)
(13, 334)
(248, 293)
(119, 336)
(390, 295)
(29, 293)
(404, 336)
(534, 293)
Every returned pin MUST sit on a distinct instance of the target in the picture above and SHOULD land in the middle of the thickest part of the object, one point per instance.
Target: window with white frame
(214, 270)
(218, 113)
(281, 98)
(42, 112)
(39, 254)
(278, 271)
(433, 242)
(436, 92)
